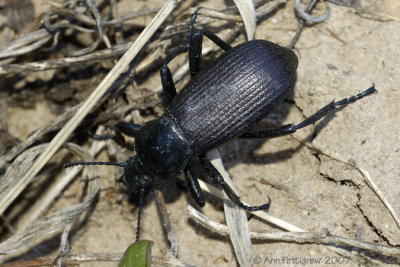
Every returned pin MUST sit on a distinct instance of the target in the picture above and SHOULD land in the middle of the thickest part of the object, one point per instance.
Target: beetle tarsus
(236, 199)
(352, 99)
(255, 208)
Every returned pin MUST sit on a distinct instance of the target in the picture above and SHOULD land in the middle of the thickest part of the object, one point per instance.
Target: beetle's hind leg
(165, 73)
(195, 48)
(214, 174)
(291, 128)
(193, 43)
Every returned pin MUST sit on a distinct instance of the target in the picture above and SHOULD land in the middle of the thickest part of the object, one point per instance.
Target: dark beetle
(221, 102)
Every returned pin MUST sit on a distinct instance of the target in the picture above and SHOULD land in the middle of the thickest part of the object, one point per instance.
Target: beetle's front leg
(291, 128)
(214, 174)
(117, 137)
(130, 129)
(194, 187)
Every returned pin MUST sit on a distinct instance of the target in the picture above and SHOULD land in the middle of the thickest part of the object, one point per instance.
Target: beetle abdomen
(234, 92)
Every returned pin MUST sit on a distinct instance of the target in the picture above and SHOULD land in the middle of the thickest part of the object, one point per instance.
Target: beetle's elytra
(234, 92)
(221, 101)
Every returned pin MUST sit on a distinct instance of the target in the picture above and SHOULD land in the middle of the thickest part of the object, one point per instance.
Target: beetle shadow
(170, 190)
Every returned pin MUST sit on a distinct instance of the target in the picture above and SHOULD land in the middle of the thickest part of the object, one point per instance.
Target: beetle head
(135, 176)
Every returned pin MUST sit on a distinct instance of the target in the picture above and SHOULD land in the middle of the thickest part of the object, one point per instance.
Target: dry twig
(298, 237)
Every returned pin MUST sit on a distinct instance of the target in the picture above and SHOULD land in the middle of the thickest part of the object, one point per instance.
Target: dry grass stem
(171, 234)
(298, 237)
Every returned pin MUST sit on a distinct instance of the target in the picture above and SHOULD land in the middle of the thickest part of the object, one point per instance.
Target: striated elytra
(234, 92)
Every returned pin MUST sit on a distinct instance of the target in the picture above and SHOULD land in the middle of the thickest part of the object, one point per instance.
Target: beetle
(222, 101)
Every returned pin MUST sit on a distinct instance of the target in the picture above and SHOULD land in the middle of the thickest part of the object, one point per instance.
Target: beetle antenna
(80, 163)
(141, 201)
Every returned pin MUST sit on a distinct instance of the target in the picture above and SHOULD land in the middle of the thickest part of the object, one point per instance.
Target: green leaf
(138, 255)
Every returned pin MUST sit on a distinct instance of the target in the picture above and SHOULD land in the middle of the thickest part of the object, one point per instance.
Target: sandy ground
(338, 58)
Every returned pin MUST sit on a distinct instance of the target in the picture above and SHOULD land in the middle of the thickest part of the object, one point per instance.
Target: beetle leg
(291, 128)
(193, 42)
(130, 129)
(101, 136)
(271, 133)
(166, 76)
(117, 137)
(214, 174)
(165, 73)
(195, 47)
(194, 187)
